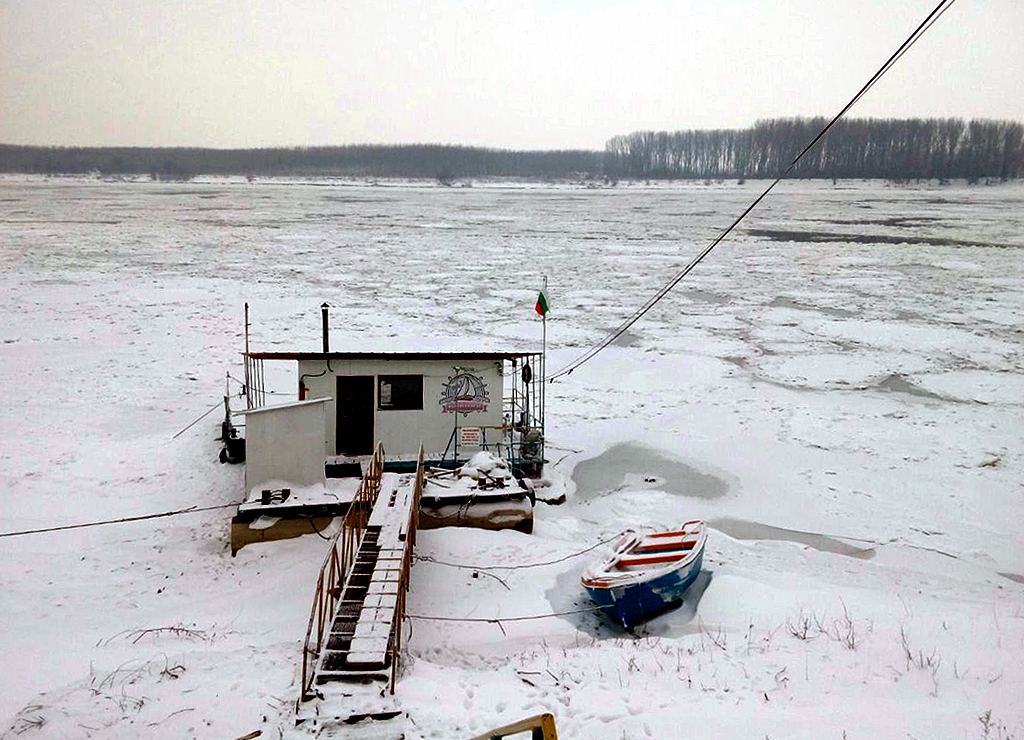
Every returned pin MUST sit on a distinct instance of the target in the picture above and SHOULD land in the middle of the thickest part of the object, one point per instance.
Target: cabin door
(354, 415)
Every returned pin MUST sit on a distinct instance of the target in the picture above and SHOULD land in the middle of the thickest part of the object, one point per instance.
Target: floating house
(302, 456)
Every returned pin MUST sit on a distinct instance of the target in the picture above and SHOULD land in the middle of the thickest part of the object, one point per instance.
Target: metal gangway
(354, 634)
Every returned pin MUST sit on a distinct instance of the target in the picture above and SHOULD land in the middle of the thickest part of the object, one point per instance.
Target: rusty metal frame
(336, 566)
(540, 726)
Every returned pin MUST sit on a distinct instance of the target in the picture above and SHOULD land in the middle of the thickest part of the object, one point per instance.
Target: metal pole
(323, 314)
(544, 358)
(248, 380)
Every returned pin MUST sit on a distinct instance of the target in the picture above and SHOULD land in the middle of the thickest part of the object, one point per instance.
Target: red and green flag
(542, 304)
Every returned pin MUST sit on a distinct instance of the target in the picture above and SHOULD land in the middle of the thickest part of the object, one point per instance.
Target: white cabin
(454, 403)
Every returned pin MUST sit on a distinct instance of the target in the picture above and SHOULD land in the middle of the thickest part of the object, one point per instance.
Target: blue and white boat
(647, 573)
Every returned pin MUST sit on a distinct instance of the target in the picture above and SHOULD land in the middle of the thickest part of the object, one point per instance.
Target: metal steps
(359, 643)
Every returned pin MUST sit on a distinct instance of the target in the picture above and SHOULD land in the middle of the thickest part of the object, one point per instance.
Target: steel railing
(255, 388)
(336, 565)
(403, 581)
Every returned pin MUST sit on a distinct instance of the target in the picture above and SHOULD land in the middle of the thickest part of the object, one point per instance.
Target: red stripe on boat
(679, 533)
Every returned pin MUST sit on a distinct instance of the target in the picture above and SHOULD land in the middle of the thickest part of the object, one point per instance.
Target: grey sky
(554, 74)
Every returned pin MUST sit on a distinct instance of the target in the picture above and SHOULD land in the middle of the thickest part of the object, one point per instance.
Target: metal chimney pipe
(323, 313)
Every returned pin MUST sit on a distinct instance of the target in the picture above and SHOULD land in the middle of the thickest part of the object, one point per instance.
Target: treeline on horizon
(892, 149)
(442, 162)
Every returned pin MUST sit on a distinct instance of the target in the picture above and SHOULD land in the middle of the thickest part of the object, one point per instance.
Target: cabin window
(400, 392)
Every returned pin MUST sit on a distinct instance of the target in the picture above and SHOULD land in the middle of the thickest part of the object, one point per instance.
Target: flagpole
(544, 360)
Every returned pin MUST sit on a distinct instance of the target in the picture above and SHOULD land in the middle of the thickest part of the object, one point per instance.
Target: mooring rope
(176, 512)
(428, 559)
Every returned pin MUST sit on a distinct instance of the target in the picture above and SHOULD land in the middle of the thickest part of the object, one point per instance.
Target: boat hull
(635, 603)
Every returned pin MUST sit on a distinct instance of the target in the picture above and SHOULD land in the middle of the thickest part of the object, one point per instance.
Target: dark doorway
(355, 415)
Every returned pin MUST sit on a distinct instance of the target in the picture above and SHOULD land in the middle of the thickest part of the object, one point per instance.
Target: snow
(333, 491)
(868, 392)
(485, 464)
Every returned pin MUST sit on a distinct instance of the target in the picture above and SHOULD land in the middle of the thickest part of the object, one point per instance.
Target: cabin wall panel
(401, 431)
(285, 444)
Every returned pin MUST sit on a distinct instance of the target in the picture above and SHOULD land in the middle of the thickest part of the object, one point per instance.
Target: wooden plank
(383, 587)
(371, 615)
(368, 651)
(370, 628)
(380, 600)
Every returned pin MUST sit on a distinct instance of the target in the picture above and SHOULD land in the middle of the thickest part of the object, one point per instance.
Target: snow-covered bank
(867, 391)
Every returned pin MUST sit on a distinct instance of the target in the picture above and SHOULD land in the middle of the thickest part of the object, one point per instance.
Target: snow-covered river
(849, 363)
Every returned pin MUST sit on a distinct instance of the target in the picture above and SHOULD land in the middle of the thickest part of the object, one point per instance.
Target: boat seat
(634, 560)
(652, 545)
(678, 533)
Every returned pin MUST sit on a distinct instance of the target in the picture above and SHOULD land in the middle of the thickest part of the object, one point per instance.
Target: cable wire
(428, 559)
(496, 620)
(189, 510)
(196, 421)
(923, 27)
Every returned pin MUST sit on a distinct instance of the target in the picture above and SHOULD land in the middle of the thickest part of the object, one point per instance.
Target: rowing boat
(647, 573)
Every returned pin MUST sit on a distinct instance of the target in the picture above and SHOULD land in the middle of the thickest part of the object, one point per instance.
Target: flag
(542, 304)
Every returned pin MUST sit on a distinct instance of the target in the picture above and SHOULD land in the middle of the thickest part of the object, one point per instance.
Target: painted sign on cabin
(463, 394)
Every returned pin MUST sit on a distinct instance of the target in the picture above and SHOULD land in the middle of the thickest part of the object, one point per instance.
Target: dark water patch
(632, 466)
(687, 214)
(897, 221)
(54, 281)
(1015, 577)
(102, 222)
(707, 296)
(830, 237)
(737, 361)
(204, 193)
(355, 199)
(740, 529)
(896, 383)
(783, 302)
(626, 339)
(223, 223)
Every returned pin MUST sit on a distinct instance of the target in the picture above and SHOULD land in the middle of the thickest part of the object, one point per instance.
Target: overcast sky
(547, 74)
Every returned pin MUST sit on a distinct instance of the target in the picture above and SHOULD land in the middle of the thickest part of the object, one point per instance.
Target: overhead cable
(926, 24)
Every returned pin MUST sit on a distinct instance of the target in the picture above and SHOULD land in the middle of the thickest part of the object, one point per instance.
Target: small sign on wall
(470, 436)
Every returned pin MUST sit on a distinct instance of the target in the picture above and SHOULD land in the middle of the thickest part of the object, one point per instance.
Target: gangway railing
(336, 564)
(403, 582)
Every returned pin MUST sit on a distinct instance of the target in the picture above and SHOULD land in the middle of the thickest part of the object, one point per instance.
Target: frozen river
(850, 362)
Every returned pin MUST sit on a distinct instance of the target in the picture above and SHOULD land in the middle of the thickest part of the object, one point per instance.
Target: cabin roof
(287, 405)
(313, 356)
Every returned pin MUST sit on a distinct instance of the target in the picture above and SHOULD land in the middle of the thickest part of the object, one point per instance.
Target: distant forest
(432, 161)
(892, 149)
